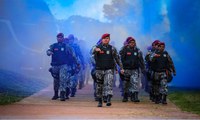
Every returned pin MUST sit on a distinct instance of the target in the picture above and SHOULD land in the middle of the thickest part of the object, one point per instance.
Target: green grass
(8, 98)
(15, 86)
(187, 100)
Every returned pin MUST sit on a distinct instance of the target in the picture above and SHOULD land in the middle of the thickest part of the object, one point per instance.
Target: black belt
(98, 68)
(159, 70)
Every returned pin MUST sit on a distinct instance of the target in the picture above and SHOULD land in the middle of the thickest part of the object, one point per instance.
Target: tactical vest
(130, 59)
(161, 63)
(60, 56)
(104, 59)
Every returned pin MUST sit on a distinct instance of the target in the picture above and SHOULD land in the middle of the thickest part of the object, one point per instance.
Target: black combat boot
(160, 97)
(67, 93)
(73, 92)
(157, 99)
(151, 96)
(132, 97)
(136, 97)
(109, 100)
(100, 102)
(62, 96)
(125, 98)
(95, 97)
(55, 97)
(105, 99)
(164, 99)
(81, 84)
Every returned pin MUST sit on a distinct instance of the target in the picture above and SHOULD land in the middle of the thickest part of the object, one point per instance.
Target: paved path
(83, 106)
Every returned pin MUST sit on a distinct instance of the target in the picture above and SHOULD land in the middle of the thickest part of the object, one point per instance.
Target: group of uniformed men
(158, 67)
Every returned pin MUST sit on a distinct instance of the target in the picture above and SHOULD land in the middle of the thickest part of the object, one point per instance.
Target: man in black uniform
(151, 51)
(162, 66)
(132, 61)
(61, 69)
(79, 77)
(105, 57)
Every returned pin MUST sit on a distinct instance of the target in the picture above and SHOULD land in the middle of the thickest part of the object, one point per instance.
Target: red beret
(71, 36)
(161, 43)
(60, 35)
(129, 39)
(156, 42)
(105, 35)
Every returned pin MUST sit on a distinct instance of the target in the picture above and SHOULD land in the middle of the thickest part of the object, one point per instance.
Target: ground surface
(83, 106)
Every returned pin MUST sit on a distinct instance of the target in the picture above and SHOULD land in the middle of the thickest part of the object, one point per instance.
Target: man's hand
(49, 53)
(122, 71)
(97, 49)
(156, 55)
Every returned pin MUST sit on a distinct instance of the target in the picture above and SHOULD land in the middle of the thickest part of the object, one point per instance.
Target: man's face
(106, 40)
(132, 43)
(161, 48)
(71, 41)
(60, 39)
(155, 46)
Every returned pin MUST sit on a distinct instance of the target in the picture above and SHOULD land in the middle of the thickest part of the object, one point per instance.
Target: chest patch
(101, 52)
(164, 55)
(128, 53)
(55, 49)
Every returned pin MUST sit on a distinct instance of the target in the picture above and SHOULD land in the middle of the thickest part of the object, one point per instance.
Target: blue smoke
(185, 23)
(28, 28)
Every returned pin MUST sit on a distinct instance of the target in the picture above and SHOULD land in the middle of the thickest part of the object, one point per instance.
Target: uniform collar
(60, 43)
(105, 45)
(132, 47)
